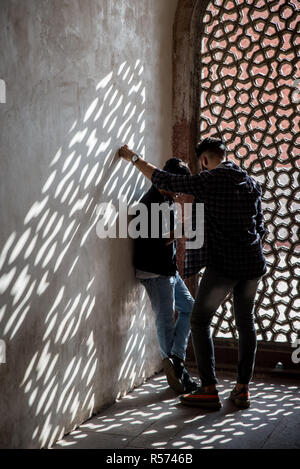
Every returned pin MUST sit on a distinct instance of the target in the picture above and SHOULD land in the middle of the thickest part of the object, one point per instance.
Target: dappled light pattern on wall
(249, 93)
(53, 243)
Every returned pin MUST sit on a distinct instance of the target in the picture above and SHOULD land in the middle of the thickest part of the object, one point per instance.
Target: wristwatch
(134, 159)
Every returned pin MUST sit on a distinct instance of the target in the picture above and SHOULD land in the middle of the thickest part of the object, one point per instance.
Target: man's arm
(146, 168)
(187, 184)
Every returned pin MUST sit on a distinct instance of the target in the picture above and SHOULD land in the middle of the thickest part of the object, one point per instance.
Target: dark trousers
(213, 290)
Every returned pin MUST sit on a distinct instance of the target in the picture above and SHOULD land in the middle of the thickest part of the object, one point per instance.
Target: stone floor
(151, 417)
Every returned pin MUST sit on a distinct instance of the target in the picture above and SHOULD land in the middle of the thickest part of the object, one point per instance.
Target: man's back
(233, 222)
(233, 226)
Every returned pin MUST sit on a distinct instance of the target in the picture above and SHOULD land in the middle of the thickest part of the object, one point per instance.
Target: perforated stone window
(249, 93)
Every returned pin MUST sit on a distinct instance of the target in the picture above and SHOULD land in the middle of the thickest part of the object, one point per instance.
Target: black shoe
(174, 382)
(189, 384)
(178, 366)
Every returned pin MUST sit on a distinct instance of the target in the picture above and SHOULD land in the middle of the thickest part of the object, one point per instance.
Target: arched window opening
(236, 74)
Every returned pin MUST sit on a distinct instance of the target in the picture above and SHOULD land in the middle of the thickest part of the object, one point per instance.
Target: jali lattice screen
(249, 93)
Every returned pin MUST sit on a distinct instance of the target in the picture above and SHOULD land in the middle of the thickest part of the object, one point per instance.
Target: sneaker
(240, 398)
(174, 382)
(200, 398)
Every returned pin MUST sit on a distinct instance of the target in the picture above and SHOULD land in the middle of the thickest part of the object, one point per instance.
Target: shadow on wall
(66, 357)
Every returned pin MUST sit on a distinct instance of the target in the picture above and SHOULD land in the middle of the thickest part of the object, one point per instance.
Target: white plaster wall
(82, 76)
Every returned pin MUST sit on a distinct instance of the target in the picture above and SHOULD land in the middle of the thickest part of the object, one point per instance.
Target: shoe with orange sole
(240, 398)
(201, 398)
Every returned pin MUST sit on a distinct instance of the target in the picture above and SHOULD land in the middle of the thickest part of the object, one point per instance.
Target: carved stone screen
(249, 94)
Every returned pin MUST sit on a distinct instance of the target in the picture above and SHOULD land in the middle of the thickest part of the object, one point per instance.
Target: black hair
(212, 145)
(176, 166)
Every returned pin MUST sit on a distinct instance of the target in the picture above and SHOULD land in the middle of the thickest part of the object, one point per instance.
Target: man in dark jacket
(156, 268)
(232, 254)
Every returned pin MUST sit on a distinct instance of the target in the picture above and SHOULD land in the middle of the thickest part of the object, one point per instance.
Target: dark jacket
(234, 225)
(152, 254)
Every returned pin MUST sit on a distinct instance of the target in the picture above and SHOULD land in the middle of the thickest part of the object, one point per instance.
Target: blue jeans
(212, 291)
(168, 294)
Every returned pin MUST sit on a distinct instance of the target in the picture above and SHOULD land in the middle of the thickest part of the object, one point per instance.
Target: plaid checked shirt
(233, 220)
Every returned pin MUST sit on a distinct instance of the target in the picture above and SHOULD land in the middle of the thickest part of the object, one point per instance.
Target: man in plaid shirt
(232, 254)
